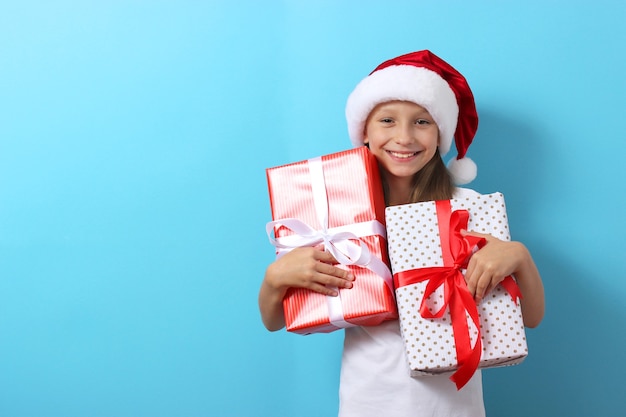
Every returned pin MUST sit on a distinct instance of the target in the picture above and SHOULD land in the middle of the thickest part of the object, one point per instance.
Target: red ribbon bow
(456, 250)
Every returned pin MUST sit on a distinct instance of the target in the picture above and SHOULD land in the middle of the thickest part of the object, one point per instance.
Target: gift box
(336, 201)
(443, 328)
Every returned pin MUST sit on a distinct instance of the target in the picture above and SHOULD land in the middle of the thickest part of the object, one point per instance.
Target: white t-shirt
(375, 378)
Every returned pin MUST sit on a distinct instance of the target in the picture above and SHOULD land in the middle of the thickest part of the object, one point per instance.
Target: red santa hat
(425, 79)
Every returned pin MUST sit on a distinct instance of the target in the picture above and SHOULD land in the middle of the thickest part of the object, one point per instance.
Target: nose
(404, 134)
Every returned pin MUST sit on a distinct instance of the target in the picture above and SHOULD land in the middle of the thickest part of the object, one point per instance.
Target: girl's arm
(309, 268)
(498, 259)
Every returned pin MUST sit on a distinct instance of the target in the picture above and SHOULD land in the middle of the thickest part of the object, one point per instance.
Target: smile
(402, 155)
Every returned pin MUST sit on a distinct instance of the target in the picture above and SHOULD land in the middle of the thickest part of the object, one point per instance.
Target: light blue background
(133, 141)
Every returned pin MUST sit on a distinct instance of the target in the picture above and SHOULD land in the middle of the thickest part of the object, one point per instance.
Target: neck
(399, 191)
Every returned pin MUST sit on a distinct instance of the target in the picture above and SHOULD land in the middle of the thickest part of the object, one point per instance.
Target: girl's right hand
(310, 268)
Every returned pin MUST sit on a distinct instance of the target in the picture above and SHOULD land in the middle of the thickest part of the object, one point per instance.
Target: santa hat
(425, 79)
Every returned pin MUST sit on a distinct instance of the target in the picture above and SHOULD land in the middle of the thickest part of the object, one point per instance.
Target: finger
(482, 287)
(324, 290)
(325, 267)
(328, 285)
(324, 256)
(471, 276)
(471, 284)
(331, 275)
(340, 283)
(465, 232)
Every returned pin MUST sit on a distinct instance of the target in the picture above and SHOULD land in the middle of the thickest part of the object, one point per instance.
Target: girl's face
(403, 136)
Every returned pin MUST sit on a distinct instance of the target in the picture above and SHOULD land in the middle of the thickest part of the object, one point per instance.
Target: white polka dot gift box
(444, 330)
(335, 201)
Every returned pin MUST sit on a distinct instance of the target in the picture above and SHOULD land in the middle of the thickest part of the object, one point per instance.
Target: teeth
(402, 155)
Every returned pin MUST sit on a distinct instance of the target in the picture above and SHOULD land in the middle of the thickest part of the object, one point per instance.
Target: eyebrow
(387, 112)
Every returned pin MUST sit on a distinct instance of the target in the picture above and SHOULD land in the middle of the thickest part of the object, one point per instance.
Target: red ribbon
(456, 251)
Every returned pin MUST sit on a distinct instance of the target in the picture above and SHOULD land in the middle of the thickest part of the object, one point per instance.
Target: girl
(407, 111)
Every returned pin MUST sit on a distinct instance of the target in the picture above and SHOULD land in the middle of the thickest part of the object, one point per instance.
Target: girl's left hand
(491, 264)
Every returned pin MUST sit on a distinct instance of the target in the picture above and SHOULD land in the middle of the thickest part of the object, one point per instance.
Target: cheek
(436, 140)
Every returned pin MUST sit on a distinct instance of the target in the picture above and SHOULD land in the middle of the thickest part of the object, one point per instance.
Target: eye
(386, 120)
(422, 122)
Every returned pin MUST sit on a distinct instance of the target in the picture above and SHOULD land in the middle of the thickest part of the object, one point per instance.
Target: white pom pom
(463, 170)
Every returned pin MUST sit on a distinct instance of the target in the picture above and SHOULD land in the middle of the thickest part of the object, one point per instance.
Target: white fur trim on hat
(407, 83)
